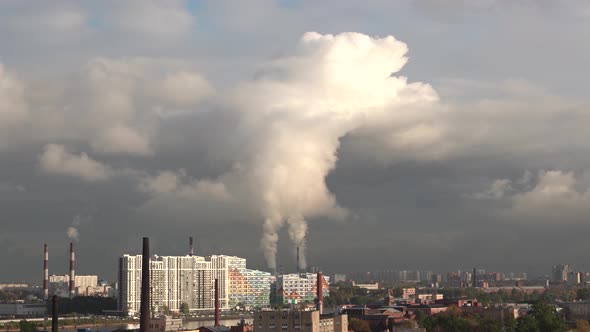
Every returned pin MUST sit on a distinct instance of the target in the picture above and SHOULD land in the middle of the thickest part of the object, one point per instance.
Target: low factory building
(299, 321)
(22, 309)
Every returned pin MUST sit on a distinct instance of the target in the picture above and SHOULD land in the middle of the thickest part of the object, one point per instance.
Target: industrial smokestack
(474, 277)
(320, 292)
(216, 302)
(46, 273)
(54, 326)
(72, 273)
(144, 307)
(190, 246)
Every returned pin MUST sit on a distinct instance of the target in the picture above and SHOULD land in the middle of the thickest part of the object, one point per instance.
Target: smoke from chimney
(144, 307)
(72, 272)
(298, 265)
(320, 292)
(45, 273)
(190, 246)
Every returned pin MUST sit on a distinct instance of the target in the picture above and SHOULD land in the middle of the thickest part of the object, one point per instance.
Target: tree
(546, 317)
(583, 294)
(166, 310)
(489, 325)
(526, 323)
(26, 326)
(542, 318)
(358, 325)
(184, 308)
(420, 317)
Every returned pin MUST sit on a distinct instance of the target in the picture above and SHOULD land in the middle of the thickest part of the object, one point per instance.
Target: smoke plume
(289, 123)
(301, 106)
(72, 231)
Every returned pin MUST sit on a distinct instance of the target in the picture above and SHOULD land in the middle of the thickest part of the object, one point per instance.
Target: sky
(371, 134)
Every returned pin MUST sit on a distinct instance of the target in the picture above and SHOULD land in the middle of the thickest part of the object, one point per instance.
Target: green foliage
(184, 308)
(353, 295)
(542, 318)
(547, 319)
(490, 325)
(583, 293)
(165, 310)
(26, 326)
(420, 318)
(526, 324)
(12, 295)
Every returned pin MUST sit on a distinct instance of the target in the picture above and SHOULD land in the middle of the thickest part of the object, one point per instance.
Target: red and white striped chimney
(45, 273)
(72, 273)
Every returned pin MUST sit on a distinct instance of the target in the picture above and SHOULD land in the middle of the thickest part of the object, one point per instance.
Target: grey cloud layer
(175, 116)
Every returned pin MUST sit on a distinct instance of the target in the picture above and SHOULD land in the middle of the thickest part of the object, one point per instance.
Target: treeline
(12, 295)
(85, 305)
(357, 296)
(542, 318)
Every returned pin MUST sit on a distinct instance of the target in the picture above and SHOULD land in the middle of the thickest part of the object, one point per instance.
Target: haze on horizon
(377, 135)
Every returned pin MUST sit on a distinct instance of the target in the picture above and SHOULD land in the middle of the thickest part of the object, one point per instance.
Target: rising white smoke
(303, 105)
(72, 231)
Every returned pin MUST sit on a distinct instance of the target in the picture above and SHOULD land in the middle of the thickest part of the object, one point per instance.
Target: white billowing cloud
(182, 186)
(56, 160)
(122, 95)
(299, 108)
(184, 88)
(550, 197)
(498, 190)
(554, 199)
(503, 188)
(121, 139)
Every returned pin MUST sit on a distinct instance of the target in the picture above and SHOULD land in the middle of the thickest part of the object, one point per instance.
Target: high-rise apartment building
(296, 287)
(221, 264)
(561, 271)
(251, 288)
(189, 279)
(174, 280)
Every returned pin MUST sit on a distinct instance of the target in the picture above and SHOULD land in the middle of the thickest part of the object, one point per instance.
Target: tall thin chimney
(320, 292)
(474, 278)
(144, 307)
(190, 246)
(216, 302)
(54, 326)
(72, 273)
(45, 273)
